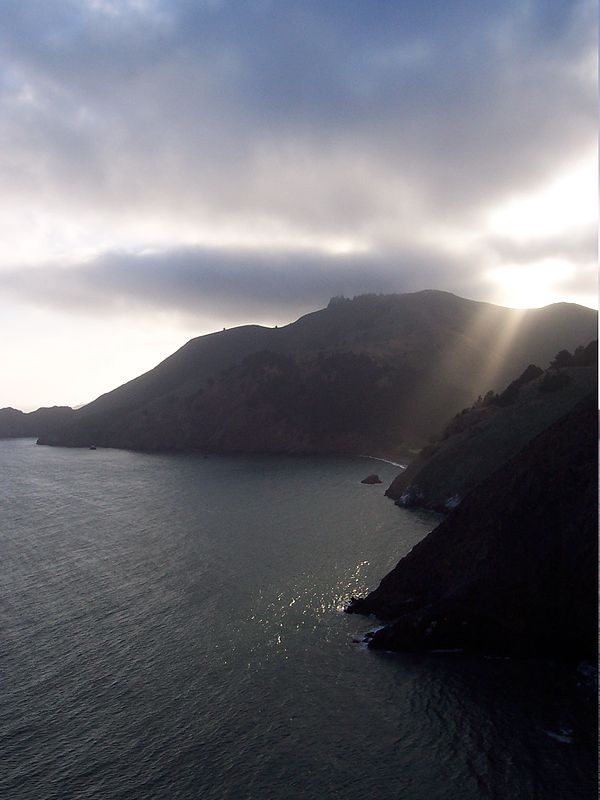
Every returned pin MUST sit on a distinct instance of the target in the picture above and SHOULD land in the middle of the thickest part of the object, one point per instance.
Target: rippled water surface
(172, 628)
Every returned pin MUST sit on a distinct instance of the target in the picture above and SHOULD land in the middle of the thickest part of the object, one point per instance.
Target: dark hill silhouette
(373, 374)
(17, 424)
(481, 438)
(514, 568)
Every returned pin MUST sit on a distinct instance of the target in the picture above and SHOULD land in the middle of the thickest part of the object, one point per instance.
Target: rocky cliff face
(514, 568)
(375, 374)
(478, 440)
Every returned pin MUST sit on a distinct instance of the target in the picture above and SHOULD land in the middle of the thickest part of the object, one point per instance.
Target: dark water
(171, 628)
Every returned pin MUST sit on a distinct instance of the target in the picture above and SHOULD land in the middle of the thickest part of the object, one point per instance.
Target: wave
(386, 461)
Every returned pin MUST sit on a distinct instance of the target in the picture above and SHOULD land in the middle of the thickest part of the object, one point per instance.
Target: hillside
(16, 424)
(514, 568)
(481, 438)
(375, 374)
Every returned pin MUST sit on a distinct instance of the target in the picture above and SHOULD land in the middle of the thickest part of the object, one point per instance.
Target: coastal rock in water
(513, 569)
(370, 479)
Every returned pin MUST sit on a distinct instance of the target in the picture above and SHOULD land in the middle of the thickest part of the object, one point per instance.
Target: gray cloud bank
(344, 118)
(238, 286)
(311, 111)
(243, 285)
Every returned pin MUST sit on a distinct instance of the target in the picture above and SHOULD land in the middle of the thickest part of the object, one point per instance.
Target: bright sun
(532, 285)
(568, 203)
(565, 209)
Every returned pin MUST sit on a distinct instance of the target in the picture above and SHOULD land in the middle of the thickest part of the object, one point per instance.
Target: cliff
(514, 569)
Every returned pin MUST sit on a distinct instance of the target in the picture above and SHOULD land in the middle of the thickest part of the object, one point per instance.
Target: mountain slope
(373, 374)
(480, 439)
(16, 424)
(514, 568)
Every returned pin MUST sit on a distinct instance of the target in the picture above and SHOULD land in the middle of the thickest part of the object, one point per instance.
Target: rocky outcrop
(371, 479)
(514, 569)
(480, 439)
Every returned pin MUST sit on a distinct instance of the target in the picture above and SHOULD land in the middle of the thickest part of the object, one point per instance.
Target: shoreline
(385, 461)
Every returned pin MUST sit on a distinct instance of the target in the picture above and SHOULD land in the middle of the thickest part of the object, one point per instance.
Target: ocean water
(171, 627)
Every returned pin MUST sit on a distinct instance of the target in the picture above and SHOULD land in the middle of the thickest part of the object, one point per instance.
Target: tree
(562, 359)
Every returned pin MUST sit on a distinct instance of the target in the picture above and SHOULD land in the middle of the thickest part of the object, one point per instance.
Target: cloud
(266, 285)
(248, 143)
(234, 285)
(319, 117)
(578, 247)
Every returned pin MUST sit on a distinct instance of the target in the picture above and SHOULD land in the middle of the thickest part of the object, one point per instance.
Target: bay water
(172, 627)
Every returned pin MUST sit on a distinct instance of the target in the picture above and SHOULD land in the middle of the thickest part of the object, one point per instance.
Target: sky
(173, 167)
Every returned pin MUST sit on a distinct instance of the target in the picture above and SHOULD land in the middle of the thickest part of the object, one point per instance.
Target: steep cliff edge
(513, 570)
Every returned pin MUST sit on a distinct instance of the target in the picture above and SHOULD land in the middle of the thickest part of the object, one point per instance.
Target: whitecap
(386, 461)
(564, 735)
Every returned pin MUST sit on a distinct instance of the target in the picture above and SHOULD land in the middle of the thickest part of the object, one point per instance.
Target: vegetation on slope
(481, 438)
